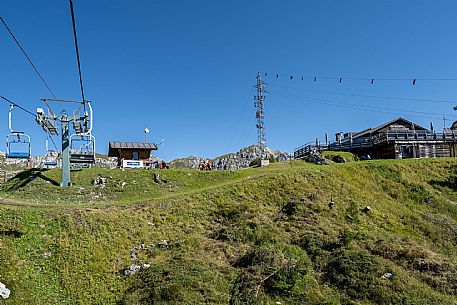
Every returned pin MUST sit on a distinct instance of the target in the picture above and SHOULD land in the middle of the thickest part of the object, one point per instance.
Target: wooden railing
(419, 136)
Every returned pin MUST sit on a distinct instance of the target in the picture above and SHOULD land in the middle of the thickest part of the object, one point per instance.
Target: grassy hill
(256, 236)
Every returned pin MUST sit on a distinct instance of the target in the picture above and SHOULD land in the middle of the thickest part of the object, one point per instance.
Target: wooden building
(396, 139)
(132, 154)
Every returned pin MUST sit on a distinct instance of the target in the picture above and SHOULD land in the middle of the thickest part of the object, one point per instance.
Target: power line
(371, 80)
(235, 130)
(360, 107)
(367, 96)
(27, 56)
(367, 106)
(77, 54)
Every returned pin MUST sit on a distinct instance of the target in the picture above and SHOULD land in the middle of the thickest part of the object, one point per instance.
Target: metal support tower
(258, 103)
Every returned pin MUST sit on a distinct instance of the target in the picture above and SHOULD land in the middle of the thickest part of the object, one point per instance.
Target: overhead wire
(28, 57)
(53, 142)
(372, 80)
(77, 54)
(366, 96)
(29, 60)
(18, 106)
(240, 119)
(417, 114)
(29, 112)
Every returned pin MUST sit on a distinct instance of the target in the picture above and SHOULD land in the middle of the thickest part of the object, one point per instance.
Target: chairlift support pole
(66, 180)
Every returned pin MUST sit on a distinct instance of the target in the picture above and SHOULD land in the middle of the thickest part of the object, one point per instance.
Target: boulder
(316, 158)
(4, 292)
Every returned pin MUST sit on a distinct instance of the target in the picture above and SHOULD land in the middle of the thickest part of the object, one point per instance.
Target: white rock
(4, 292)
(386, 275)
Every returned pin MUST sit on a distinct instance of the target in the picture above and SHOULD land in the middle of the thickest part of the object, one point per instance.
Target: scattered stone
(428, 200)
(156, 178)
(99, 181)
(387, 276)
(145, 266)
(366, 209)
(42, 226)
(123, 184)
(4, 292)
(47, 255)
(163, 244)
(349, 217)
(132, 269)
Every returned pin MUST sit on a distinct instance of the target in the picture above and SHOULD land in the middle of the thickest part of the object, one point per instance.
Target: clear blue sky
(186, 68)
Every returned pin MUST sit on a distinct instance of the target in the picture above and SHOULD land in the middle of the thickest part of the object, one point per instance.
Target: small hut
(132, 154)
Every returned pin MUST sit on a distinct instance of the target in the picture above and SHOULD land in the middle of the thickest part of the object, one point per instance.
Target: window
(136, 155)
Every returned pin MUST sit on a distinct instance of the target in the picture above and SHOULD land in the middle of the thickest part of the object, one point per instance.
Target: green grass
(256, 236)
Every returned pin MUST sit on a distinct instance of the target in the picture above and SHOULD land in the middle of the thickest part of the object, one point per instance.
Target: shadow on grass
(10, 233)
(450, 183)
(27, 176)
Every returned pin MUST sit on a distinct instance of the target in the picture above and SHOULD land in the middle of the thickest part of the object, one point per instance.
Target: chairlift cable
(27, 56)
(53, 142)
(77, 53)
(16, 105)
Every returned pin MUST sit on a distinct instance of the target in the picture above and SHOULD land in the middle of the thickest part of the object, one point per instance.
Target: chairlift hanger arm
(16, 105)
(63, 101)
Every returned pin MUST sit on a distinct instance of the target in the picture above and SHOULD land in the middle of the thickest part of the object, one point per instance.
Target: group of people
(160, 165)
(206, 166)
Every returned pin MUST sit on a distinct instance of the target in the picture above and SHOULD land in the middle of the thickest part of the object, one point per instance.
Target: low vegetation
(255, 236)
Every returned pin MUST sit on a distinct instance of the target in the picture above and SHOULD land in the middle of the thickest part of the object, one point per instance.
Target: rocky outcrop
(232, 161)
(316, 158)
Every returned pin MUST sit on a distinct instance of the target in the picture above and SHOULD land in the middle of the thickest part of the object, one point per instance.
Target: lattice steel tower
(258, 103)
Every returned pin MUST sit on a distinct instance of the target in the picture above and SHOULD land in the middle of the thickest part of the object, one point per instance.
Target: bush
(266, 272)
(353, 272)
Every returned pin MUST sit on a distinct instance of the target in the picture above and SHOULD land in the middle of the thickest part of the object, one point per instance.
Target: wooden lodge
(132, 154)
(397, 139)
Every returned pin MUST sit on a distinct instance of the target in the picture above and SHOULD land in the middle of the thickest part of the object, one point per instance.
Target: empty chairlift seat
(82, 149)
(18, 146)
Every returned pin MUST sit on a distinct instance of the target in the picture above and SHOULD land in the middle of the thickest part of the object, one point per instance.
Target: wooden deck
(389, 137)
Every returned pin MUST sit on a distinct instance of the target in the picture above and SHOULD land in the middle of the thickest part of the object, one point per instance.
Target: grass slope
(257, 236)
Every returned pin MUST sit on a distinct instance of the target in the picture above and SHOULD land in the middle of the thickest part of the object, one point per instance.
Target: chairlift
(51, 157)
(82, 148)
(17, 142)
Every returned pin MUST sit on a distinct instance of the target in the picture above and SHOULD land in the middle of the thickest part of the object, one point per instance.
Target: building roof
(373, 130)
(132, 145)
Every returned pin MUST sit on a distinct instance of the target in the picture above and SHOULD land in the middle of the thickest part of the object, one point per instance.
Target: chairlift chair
(51, 157)
(14, 141)
(17, 142)
(82, 149)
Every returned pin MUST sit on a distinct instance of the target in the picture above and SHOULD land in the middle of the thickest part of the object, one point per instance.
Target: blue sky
(186, 68)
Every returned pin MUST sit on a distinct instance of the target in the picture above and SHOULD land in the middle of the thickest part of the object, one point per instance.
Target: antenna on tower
(258, 103)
